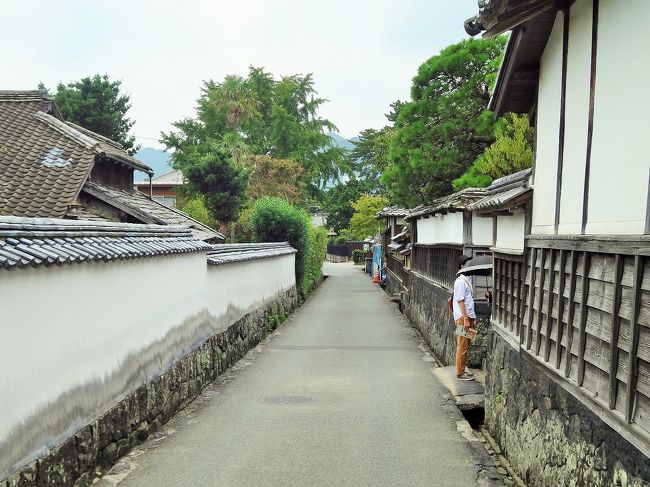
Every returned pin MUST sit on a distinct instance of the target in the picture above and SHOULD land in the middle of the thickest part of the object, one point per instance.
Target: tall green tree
(363, 223)
(445, 126)
(264, 116)
(338, 200)
(98, 104)
(234, 99)
(222, 182)
(511, 151)
(369, 157)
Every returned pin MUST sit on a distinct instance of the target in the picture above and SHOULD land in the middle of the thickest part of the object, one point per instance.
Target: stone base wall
(336, 258)
(97, 446)
(393, 286)
(548, 435)
(427, 310)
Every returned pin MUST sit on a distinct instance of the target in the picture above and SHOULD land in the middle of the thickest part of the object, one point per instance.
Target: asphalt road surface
(342, 394)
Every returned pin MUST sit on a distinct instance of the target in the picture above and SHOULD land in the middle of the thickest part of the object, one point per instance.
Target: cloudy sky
(363, 53)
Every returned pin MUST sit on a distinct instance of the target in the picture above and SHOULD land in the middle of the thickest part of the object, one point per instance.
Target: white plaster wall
(510, 231)
(247, 285)
(576, 117)
(481, 230)
(548, 117)
(441, 228)
(620, 158)
(64, 327)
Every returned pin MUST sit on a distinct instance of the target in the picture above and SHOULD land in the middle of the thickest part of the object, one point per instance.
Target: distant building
(162, 188)
(318, 217)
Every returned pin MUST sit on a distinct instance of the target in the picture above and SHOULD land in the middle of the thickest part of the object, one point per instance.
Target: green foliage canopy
(337, 201)
(363, 222)
(261, 115)
(512, 151)
(222, 182)
(195, 208)
(445, 126)
(96, 103)
(276, 220)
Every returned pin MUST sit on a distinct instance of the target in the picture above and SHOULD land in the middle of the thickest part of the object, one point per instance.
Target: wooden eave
(508, 207)
(513, 13)
(516, 86)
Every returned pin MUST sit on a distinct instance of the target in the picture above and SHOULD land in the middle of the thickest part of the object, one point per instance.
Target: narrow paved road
(341, 395)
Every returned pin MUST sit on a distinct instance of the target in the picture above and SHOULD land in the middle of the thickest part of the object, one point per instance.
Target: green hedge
(359, 256)
(316, 256)
(275, 220)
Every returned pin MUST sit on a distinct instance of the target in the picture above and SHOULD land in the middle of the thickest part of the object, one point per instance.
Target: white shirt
(463, 292)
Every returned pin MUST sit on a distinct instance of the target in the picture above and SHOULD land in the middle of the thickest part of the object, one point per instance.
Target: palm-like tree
(236, 101)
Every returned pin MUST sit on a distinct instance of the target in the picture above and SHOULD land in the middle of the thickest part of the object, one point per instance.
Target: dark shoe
(465, 376)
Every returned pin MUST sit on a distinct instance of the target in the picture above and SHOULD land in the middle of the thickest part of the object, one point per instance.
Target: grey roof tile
(504, 191)
(455, 201)
(140, 206)
(227, 253)
(44, 161)
(392, 211)
(44, 241)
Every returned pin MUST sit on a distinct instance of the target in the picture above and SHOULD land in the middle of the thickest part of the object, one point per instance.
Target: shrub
(275, 220)
(359, 256)
(315, 258)
(343, 236)
(195, 207)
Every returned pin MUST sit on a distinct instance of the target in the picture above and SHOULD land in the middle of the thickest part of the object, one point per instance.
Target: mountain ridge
(160, 160)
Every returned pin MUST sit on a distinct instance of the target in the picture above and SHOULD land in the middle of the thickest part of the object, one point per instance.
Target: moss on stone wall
(549, 436)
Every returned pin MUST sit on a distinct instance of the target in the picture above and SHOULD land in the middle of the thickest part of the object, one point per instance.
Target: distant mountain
(340, 141)
(160, 161)
(156, 159)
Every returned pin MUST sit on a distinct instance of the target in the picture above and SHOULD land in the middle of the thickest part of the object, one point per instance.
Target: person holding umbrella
(465, 318)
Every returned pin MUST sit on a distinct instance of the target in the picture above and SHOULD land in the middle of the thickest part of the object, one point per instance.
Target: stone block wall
(549, 436)
(95, 447)
(427, 310)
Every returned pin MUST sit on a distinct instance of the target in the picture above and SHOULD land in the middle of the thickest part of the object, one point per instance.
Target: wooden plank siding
(396, 267)
(437, 262)
(584, 314)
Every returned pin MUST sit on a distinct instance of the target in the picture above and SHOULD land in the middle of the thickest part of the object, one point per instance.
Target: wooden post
(511, 276)
(634, 339)
(582, 336)
(495, 286)
(549, 309)
(520, 290)
(504, 287)
(571, 313)
(560, 310)
(615, 326)
(531, 297)
(540, 302)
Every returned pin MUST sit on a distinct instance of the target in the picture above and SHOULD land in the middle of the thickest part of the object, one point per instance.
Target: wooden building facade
(573, 305)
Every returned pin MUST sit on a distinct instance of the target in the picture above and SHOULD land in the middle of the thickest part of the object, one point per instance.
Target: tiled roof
(226, 253)
(140, 206)
(34, 242)
(113, 150)
(455, 201)
(402, 235)
(392, 211)
(510, 190)
(43, 163)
